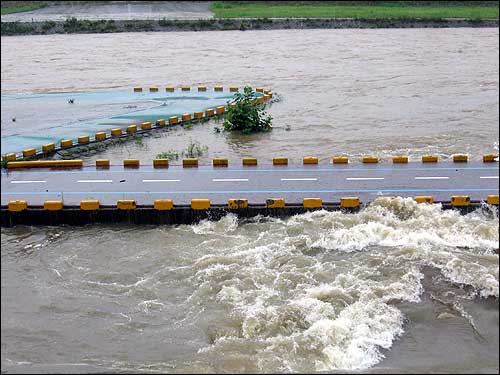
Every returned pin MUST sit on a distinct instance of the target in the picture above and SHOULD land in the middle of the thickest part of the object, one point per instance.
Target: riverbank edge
(74, 26)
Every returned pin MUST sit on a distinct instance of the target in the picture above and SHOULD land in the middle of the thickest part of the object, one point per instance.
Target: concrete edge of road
(165, 212)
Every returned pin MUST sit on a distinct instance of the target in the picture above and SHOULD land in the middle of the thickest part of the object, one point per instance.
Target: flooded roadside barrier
(68, 120)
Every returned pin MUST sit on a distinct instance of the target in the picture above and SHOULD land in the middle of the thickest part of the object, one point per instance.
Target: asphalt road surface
(293, 183)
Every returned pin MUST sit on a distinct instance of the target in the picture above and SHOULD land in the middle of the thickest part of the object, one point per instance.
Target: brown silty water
(397, 287)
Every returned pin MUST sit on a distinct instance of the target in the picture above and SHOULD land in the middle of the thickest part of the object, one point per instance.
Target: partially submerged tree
(247, 116)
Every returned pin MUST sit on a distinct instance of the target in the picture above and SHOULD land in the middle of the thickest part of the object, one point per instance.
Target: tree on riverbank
(246, 115)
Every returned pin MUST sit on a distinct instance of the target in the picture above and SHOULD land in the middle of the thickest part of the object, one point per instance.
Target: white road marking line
(432, 178)
(229, 179)
(489, 177)
(108, 181)
(28, 182)
(363, 178)
(299, 179)
(161, 180)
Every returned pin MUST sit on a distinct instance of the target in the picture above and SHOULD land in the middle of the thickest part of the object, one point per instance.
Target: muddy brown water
(397, 287)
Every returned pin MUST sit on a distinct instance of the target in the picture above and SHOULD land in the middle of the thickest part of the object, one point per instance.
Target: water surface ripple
(397, 287)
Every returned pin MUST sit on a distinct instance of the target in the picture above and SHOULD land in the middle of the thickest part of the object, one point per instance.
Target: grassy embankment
(21, 6)
(358, 10)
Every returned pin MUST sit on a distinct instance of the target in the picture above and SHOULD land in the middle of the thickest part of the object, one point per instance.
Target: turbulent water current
(396, 287)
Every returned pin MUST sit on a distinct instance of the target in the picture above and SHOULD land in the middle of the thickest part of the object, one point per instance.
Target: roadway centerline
(253, 170)
(299, 179)
(489, 177)
(28, 182)
(98, 181)
(363, 178)
(230, 179)
(161, 180)
(432, 178)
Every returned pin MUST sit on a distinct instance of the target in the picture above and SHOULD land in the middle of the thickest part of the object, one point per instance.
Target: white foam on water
(313, 292)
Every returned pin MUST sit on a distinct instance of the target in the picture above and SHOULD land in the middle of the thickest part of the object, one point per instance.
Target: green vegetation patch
(9, 7)
(247, 116)
(357, 10)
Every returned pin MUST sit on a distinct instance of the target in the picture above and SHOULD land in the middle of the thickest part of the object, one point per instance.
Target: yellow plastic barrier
(259, 89)
(186, 117)
(131, 128)
(65, 143)
(280, 161)
(266, 91)
(236, 204)
(160, 122)
(340, 160)
(233, 89)
(16, 206)
(52, 205)
(220, 109)
(488, 158)
(210, 112)
(202, 88)
(400, 159)
(83, 139)
(429, 159)
(45, 163)
(198, 115)
(349, 202)
(137, 89)
(146, 125)
(460, 158)
(460, 200)
(270, 93)
(220, 162)
(190, 162)
(173, 120)
(89, 205)
(249, 161)
(493, 199)
(100, 136)
(163, 204)
(260, 100)
(170, 88)
(126, 204)
(48, 147)
(313, 203)
(266, 97)
(29, 152)
(275, 203)
(11, 156)
(185, 88)
(218, 88)
(160, 163)
(153, 89)
(425, 199)
(310, 160)
(369, 159)
(102, 163)
(131, 163)
(200, 204)
(116, 132)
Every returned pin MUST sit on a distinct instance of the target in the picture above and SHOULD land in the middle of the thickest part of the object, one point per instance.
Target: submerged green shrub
(247, 116)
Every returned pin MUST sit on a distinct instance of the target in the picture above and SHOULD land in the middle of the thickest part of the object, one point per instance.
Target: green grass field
(350, 9)
(21, 6)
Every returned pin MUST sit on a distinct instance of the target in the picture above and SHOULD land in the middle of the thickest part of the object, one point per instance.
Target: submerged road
(258, 183)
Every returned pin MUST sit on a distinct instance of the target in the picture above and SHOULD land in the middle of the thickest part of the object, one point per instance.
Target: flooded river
(397, 287)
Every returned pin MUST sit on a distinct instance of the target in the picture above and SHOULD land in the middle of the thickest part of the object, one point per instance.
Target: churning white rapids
(319, 291)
